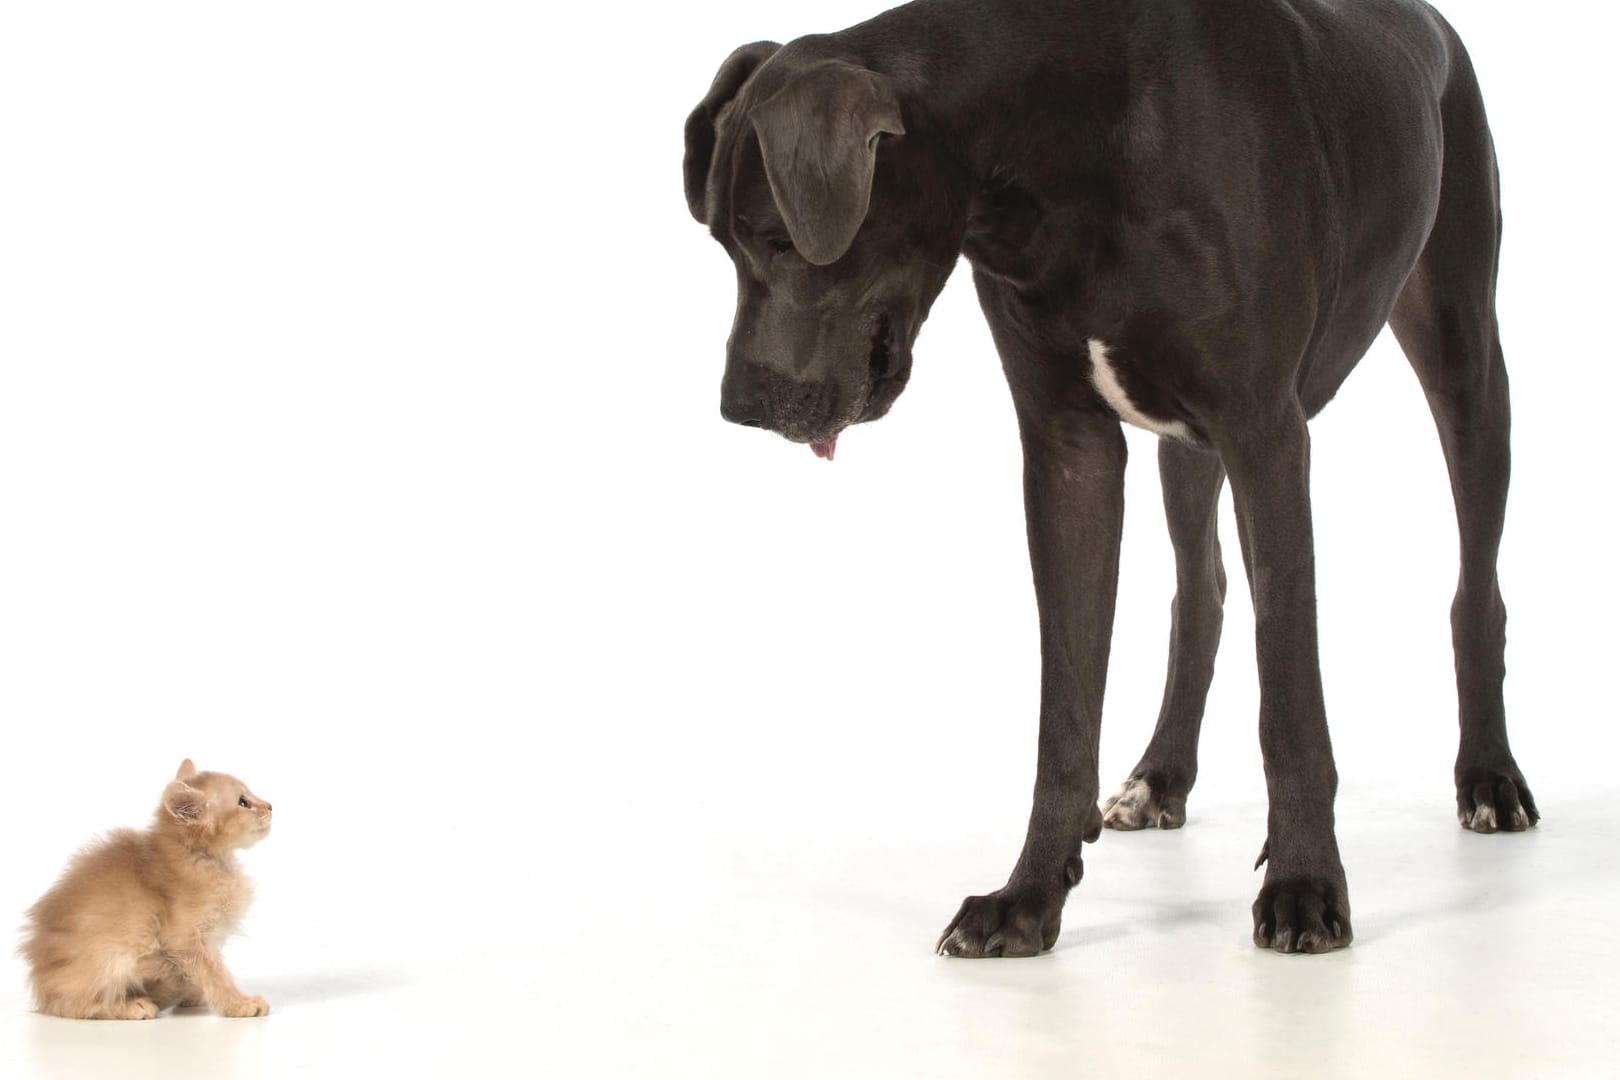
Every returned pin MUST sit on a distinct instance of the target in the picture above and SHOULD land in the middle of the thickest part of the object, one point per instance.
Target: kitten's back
(88, 933)
(102, 878)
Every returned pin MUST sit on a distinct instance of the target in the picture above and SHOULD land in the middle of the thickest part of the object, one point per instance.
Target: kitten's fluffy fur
(136, 922)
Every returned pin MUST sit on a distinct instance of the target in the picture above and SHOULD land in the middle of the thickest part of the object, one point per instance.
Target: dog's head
(842, 228)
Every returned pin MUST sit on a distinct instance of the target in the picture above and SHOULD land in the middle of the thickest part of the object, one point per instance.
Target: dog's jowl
(1193, 216)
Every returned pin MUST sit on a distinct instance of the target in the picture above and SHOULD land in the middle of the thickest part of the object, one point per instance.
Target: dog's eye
(243, 803)
(780, 244)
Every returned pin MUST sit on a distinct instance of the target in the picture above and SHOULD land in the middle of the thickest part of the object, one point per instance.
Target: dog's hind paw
(1138, 806)
(1490, 800)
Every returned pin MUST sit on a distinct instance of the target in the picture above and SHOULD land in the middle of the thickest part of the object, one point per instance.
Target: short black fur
(1231, 197)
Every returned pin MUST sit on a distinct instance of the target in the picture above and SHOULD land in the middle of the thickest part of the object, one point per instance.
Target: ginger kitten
(136, 922)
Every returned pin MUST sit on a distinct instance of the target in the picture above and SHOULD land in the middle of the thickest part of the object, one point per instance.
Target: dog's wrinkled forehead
(737, 185)
(801, 124)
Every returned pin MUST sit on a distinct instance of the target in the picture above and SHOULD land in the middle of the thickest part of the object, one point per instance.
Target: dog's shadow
(1476, 875)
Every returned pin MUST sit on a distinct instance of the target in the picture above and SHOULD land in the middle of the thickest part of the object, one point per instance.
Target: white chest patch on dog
(1104, 378)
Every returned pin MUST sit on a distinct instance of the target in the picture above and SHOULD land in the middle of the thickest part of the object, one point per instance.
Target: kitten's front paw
(141, 1008)
(248, 1006)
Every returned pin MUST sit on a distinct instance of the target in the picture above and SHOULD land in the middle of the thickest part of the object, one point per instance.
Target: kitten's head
(213, 810)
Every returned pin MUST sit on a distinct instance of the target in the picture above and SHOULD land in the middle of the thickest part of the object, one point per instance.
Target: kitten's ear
(184, 803)
(186, 769)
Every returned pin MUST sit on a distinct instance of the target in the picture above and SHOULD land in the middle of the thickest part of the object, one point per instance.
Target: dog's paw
(1138, 806)
(1491, 800)
(1011, 921)
(1301, 915)
(247, 1006)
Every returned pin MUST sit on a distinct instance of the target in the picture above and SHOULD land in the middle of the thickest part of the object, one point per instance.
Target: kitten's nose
(268, 808)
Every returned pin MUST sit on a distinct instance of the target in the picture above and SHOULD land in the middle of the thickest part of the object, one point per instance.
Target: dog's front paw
(1012, 921)
(1492, 799)
(1139, 804)
(1302, 915)
(247, 1006)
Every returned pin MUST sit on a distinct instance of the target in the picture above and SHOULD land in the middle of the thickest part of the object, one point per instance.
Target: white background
(359, 435)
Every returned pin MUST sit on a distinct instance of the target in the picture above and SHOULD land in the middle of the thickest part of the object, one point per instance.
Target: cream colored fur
(136, 922)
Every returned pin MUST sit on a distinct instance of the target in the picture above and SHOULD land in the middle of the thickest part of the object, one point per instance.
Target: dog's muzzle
(754, 395)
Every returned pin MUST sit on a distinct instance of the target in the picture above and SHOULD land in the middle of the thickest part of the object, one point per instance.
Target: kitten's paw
(141, 1008)
(248, 1006)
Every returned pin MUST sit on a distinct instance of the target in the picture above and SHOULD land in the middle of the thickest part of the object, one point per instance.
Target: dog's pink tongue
(825, 449)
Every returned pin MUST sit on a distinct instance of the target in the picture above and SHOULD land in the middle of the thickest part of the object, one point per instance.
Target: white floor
(1475, 956)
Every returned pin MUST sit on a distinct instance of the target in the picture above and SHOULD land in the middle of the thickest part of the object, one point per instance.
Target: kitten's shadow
(328, 986)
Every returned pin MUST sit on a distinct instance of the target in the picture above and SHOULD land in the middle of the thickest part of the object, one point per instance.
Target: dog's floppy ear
(700, 125)
(819, 136)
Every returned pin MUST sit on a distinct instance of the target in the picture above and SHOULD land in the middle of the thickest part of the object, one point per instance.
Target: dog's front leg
(1304, 905)
(1074, 500)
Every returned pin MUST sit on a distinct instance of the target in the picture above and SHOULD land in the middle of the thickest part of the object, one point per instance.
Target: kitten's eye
(243, 803)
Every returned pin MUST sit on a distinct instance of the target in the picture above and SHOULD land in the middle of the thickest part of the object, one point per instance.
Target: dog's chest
(1109, 376)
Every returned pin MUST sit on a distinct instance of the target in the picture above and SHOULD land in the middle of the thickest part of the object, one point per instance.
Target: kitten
(136, 922)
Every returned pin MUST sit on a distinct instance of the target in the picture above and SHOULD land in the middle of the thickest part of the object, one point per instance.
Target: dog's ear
(700, 125)
(819, 136)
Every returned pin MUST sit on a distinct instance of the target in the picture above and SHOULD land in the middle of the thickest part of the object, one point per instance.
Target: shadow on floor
(321, 987)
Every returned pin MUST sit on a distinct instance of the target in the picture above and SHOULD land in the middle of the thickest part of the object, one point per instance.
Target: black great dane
(1189, 215)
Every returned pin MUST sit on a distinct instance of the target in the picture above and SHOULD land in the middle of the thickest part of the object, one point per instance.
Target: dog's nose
(741, 399)
(748, 414)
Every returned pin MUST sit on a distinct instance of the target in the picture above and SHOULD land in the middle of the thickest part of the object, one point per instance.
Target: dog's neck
(1009, 184)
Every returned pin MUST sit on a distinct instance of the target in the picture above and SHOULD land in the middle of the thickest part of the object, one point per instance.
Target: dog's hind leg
(1155, 794)
(1445, 321)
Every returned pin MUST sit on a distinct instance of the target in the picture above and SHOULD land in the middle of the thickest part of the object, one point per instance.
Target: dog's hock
(818, 136)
